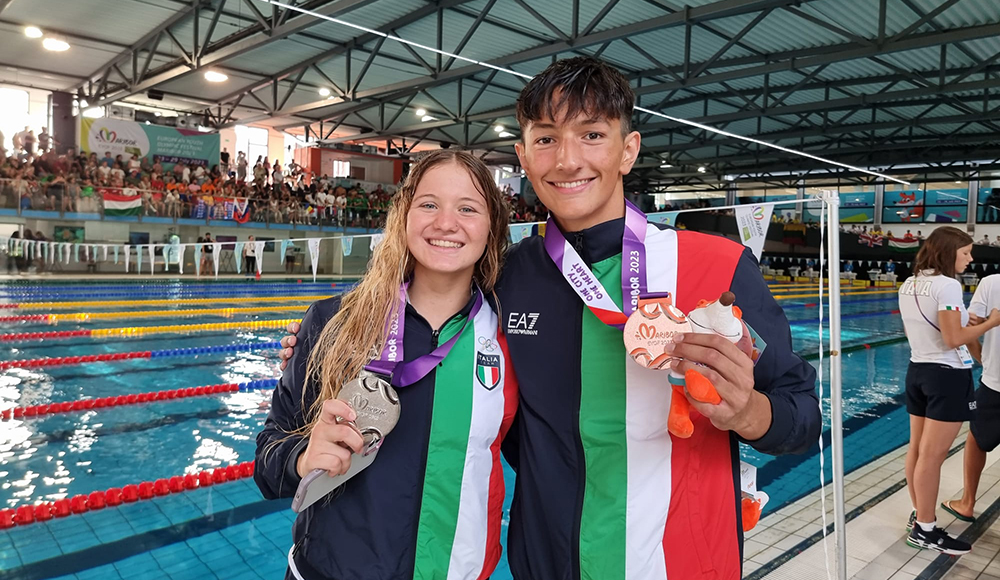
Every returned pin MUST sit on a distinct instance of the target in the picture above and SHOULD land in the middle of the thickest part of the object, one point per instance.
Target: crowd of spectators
(34, 176)
(39, 178)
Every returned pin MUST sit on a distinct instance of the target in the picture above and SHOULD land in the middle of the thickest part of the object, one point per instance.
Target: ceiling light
(665, 166)
(215, 77)
(55, 44)
(84, 104)
(506, 134)
(957, 181)
(426, 118)
(324, 92)
(158, 114)
(421, 112)
(94, 113)
(702, 169)
(499, 128)
(32, 32)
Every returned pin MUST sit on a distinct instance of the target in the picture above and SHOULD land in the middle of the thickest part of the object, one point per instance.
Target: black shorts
(985, 424)
(939, 392)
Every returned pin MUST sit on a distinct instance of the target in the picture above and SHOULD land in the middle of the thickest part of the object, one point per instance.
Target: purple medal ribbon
(390, 361)
(585, 283)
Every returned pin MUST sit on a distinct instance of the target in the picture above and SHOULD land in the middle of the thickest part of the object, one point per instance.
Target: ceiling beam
(148, 38)
(829, 131)
(719, 9)
(801, 59)
(352, 44)
(236, 44)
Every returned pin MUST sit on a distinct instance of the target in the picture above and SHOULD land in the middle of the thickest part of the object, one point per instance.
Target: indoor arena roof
(866, 82)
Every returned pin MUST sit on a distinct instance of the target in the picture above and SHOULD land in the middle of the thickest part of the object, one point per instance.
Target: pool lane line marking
(130, 331)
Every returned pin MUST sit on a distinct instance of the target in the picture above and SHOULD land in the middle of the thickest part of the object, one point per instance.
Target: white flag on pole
(752, 222)
(314, 254)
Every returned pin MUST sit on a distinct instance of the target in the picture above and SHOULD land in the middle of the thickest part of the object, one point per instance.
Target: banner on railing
(116, 203)
(65, 252)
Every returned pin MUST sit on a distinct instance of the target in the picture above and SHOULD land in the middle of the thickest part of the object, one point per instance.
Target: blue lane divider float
(259, 384)
(243, 347)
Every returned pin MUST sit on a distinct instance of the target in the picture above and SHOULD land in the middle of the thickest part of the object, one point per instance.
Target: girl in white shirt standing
(939, 394)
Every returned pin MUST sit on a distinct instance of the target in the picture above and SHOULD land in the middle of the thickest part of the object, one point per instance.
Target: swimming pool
(227, 530)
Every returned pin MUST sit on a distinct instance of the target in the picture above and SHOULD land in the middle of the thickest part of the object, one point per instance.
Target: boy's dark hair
(586, 85)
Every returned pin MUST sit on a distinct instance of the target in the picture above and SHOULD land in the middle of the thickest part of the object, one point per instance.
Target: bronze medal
(649, 332)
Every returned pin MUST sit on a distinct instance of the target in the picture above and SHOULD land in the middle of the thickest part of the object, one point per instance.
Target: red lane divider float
(118, 401)
(44, 335)
(72, 360)
(133, 399)
(115, 496)
(25, 318)
(117, 356)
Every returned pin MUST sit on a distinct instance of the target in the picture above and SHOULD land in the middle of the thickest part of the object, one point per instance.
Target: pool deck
(788, 544)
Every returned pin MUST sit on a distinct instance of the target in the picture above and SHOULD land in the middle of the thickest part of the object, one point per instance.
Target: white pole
(836, 403)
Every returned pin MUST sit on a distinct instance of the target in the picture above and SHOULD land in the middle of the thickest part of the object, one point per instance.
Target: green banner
(164, 144)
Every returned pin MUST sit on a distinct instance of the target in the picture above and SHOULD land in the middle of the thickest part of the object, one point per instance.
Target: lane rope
(142, 330)
(149, 354)
(20, 413)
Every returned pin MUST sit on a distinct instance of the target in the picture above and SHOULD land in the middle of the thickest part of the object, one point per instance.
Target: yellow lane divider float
(172, 302)
(85, 316)
(186, 328)
(788, 296)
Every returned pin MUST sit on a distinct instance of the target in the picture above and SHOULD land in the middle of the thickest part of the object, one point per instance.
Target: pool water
(228, 530)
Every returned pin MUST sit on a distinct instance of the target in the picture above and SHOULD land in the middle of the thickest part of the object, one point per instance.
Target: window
(253, 140)
(341, 168)
(14, 104)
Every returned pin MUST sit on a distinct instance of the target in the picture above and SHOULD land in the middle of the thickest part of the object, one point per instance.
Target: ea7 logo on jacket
(488, 370)
(522, 323)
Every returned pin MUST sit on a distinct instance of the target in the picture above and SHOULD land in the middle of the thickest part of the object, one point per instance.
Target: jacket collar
(599, 242)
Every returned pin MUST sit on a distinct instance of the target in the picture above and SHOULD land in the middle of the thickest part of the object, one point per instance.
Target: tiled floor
(876, 544)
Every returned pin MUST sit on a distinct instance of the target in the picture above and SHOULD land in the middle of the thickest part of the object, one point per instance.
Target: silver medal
(376, 404)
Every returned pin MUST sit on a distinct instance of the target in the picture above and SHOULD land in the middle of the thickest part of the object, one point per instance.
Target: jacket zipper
(577, 573)
(578, 244)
